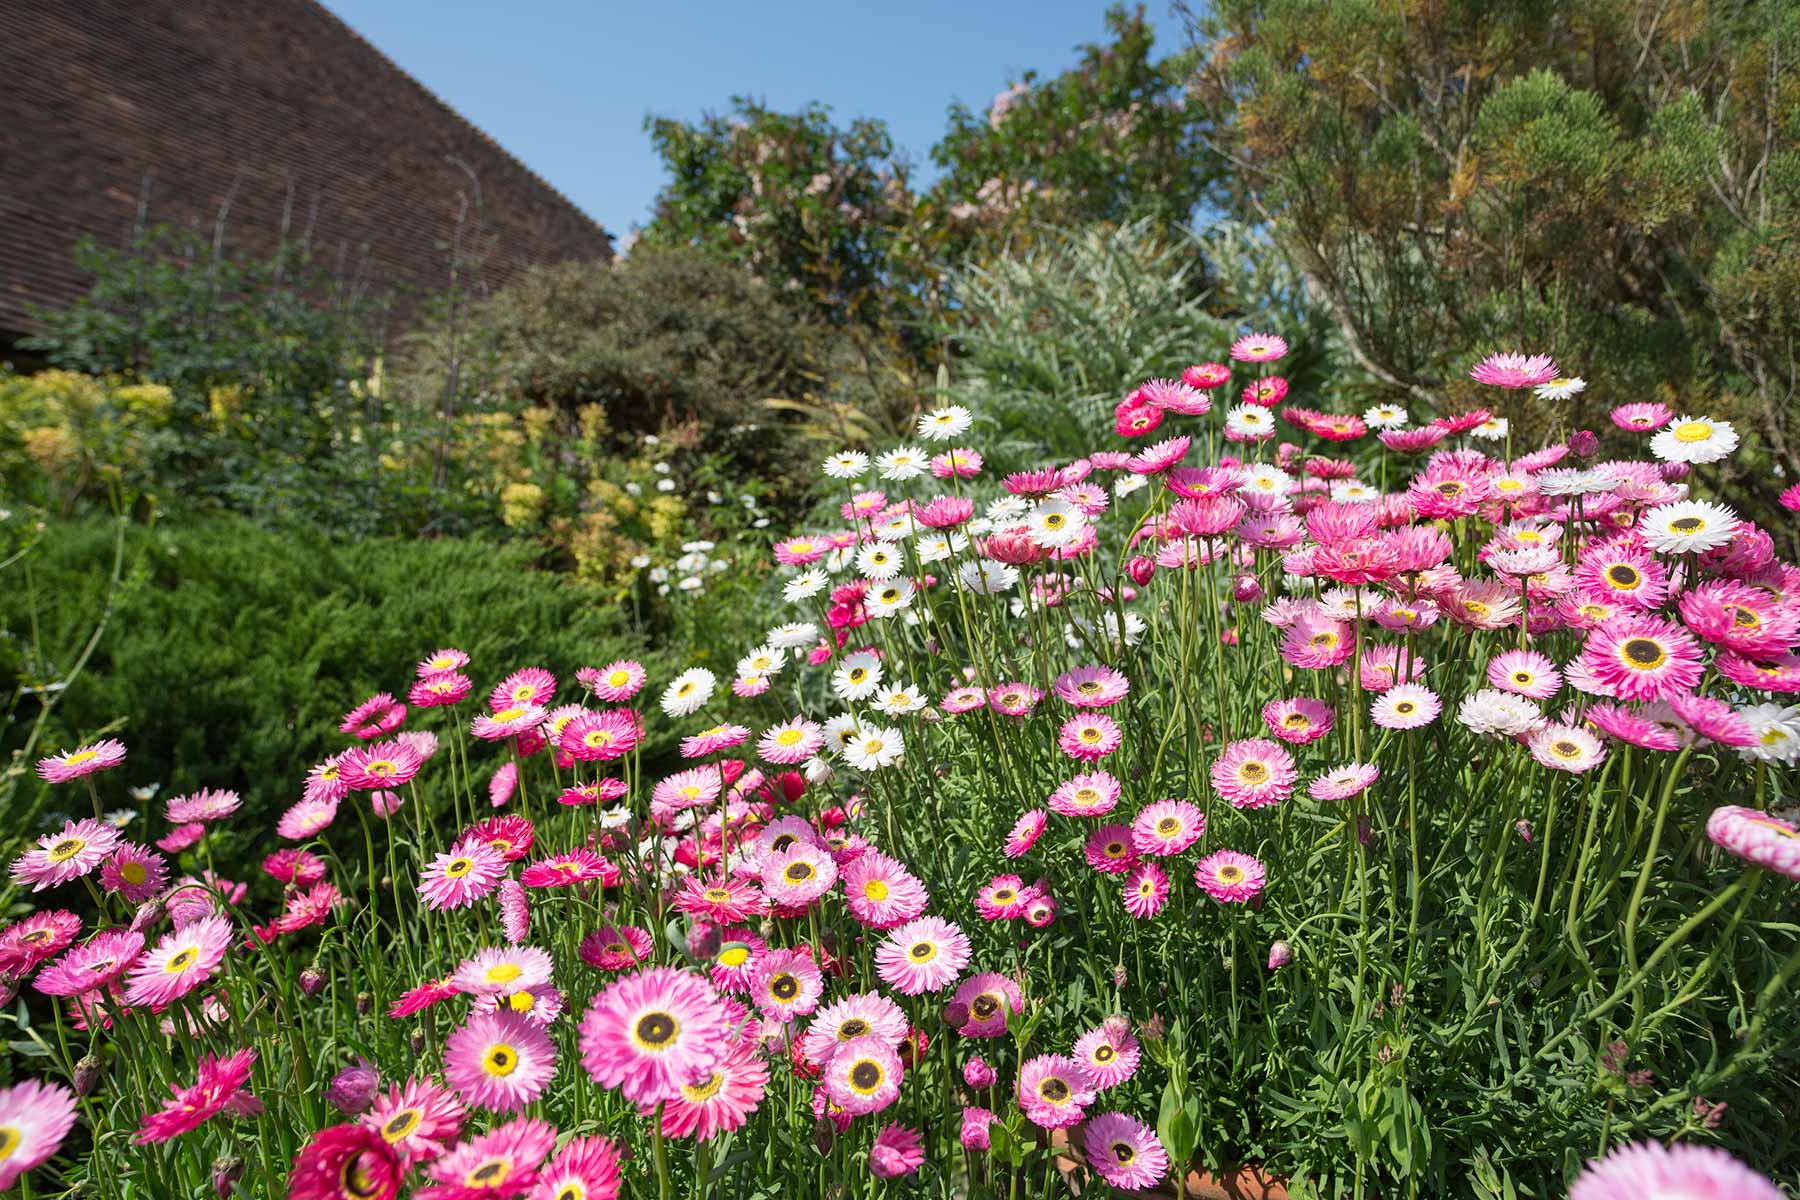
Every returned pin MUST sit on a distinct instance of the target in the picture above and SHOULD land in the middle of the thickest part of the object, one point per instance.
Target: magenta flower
(1514, 370)
(96, 756)
(1230, 877)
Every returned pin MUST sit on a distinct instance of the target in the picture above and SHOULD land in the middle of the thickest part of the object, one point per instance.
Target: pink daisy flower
(1167, 827)
(785, 984)
(218, 1088)
(1341, 783)
(1315, 641)
(78, 848)
(458, 879)
(1758, 838)
(600, 736)
(880, 892)
(1641, 416)
(134, 873)
(203, 805)
(1714, 720)
(1088, 795)
(1566, 748)
(1405, 706)
(1091, 687)
(1229, 877)
(1089, 737)
(692, 788)
(1524, 673)
(925, 955)
(649, 1033)
(499, 970)
(711, 741)
(377, 715)
(1621, 572)
(499, 1060)
(1258, 347)
(1642, 657)
(101, 960)
(1146, 890)
(615, 948)
(507, 722)
(1299, 721)
(1025, 832)
(440, 691)
(729, 966)
(181, 962)
(798, 875)
(511, 835)
(1002, 898)
(724, 901)
(325, 782)
(1014, 699)
(440, 661)
(1109, 1052)
(35, 1117)
(426, 995)
(568, 869)
(501, 1162)
(27, 942)
(1254, 773)
(865, 1014)
(1161, 456)
(1206, 375)
(1513, 370)
(339, 1157)
(306, 818)
(532, 686)
(720, 1103)
(419, 1119)
(614, 683)
(183, 836)
(1054, 1090)
(791, 742)
(863, 1076)
(990, 999)
(85, 760)
(386, 765)
(962, 700)
(801, 551)
(586, 1168)
(1650, 1171)
(897, 1151)
(1111, 850)
(1125, 1152)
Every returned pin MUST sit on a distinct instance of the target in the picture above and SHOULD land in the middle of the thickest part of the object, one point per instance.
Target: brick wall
(177, 106)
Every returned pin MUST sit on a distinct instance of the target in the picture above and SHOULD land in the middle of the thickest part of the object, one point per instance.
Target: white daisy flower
(1266, 480)
(896, 527)
(764, 660)
(689, 692)
(1385, 416)
(903, 463)
(1490, 430)
(857, 677)
(690, 584)
(839, 731)
(1351, 491)
(1496, 712)
(888, 597)
(1127, 484)
(665, 485)
(1055, 523)
(805, 585)
(1687, 526)
(1777, 730)
(793, 636)
(847, 464)
(878, 560)
(1694, 440)
(945, 423)
(1007, 509)
(987, 576)
(937, 547)
(1559, 389)
(900, 700)
(615, 818)
(1247, 420)
(875, 748)
(838, 557)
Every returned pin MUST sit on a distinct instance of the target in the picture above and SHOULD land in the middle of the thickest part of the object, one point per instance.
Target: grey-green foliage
(1054, 335)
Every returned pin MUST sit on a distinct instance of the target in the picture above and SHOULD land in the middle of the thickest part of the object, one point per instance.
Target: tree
(1613, 182)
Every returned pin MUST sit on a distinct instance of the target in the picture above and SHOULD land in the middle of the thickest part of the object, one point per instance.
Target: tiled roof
(274, 111)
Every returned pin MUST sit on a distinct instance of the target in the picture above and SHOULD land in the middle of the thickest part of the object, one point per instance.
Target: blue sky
(565, 84)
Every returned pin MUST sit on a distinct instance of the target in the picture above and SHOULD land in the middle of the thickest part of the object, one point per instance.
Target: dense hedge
(234, 651)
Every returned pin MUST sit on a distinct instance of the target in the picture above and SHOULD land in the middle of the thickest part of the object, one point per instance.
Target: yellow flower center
(66, 849)
(504, 972)
(735, 955)
(500, 1060)
(1693, 431)
(875, 889)
(134, 873)
(80, 756)
(401, 1124)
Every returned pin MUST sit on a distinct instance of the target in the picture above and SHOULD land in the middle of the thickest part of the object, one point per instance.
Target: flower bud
(352, 1090)
(1583, 443)
(148, 913)
(1141, 569)
(956, 1015)
(312, 981)
(226, 1171)
(417, 1042)
(977, 1073)
(365, 1003)
(88, 1073)
(1280, 955)
(1245, 589)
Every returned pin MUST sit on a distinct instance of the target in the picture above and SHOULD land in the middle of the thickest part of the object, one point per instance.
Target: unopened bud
(1245, 589)
(977, 1073)
(1120, 978)
(823, 1136)
(956, 1014)
(1141, 569)
(365, 1004)
(1583, 443)
(87, 1074)
(417, 1042)
(226, 1171)
(1280, 955)
(148, 913)
(312, 981)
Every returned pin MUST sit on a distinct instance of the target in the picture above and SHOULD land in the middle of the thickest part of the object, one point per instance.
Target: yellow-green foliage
(64, 433)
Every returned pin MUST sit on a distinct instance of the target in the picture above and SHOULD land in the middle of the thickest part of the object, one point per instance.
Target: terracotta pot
(1230, 1183)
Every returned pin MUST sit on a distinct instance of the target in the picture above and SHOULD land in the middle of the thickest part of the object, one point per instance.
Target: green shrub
(234, 651)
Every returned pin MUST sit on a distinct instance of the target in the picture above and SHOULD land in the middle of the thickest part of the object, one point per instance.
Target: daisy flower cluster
(1255, 774)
